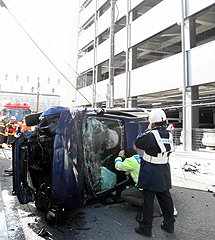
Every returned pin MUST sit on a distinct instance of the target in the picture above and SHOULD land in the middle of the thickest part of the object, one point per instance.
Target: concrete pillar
(195, 118)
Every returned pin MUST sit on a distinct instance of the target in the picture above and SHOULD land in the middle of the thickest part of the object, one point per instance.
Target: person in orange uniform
(2, 130)
(24, 127)
(11, 130)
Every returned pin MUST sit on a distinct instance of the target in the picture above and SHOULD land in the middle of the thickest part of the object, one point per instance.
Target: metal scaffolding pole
(111, 62)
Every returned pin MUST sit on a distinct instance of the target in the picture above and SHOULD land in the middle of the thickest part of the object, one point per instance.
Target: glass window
(104, 8)
(120, 63)
(161, 45)
(6, 76)
(17, 77)
(202, 27)
(143, 8)
(102, 140)
(58, 81)
(52, 90)
(103, 71)
(32, 89)
(86, 49)
(85, 79)
(21, 88)
(48, 81)
(120, 24)
(104, 36)
(27, 78)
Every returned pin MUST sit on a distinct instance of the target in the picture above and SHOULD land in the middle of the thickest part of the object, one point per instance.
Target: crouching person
(129, 161)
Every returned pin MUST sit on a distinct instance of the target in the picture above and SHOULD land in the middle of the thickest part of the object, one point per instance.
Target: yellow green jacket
(130, 165)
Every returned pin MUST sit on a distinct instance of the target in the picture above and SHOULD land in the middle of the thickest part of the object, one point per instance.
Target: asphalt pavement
(193, 192)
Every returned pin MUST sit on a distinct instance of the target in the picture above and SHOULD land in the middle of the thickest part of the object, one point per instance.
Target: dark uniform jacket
(154, 177)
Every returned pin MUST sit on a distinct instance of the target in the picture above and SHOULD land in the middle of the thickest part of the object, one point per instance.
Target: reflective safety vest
(166, 146)
(130, 165)
(2, 127)
(11, 128)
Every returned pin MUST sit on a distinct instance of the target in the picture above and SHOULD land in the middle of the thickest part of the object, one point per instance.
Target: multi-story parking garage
(152, 53)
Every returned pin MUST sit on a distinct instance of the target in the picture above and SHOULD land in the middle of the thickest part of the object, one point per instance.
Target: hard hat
(157, 115)
(13, 118)
(4, 117)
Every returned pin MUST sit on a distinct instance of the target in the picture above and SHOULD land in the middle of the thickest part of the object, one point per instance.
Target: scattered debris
(44, 233)
(190, 168)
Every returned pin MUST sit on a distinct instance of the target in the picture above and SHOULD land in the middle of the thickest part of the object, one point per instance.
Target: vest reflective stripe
(120, 164)
(156, 160)
(128, 165)
(162, 141)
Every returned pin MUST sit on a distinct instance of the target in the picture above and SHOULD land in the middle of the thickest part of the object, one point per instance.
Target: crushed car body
(68, 160)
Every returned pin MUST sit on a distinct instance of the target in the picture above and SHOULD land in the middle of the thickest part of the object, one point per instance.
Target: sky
(45, 22)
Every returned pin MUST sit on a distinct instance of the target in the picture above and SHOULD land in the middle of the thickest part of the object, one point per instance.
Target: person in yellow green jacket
(129, 161)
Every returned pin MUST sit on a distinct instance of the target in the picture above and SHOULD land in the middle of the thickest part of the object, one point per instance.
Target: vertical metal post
(111, 62)
(127, 56)
(95, 58)
(38, 94)
(184, 75)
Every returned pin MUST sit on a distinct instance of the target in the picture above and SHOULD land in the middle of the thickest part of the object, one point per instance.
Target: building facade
(152, 53)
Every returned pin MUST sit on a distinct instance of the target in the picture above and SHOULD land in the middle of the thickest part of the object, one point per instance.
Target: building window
(103, 71)
(58, 81)
(21, 88)
(88, 24)
(144, 7)
(48, 80)
(162, 45)
(86, 49)
(104, 8)
(27, 78)
(120, 63)
(32, 89)
(202, 27)
(38, 79)
(17, 77)
(120, 24)
(0, 87)
(52, 90)
(85, 79)
(104, 36)
(6, 76)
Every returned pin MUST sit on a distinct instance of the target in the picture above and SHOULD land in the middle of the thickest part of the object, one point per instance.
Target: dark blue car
(68, 160)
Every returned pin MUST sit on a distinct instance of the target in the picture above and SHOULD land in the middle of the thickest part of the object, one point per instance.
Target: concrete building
(152, 53)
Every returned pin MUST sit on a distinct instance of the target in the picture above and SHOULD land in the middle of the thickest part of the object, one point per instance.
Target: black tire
(32, 119)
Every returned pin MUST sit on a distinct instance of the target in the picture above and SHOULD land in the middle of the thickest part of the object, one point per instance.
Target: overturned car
(68, 160)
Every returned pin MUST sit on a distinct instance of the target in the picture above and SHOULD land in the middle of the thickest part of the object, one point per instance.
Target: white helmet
(157, 115)
(13, 118)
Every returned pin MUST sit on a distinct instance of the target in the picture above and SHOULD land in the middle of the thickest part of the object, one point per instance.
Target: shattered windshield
(103, 139)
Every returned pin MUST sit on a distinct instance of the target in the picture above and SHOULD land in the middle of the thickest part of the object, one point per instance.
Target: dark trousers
(166, 205)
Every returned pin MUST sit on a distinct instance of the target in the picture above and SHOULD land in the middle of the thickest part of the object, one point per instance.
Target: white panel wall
(134, 3)
(101, 2)
(162, 75)
(120, 86)
(86, 62)
(120, 41)
(86, 37)
(201, 62)
(121, 9)
(197, 5)
(87, 13)
(157, 19)
(103, 51)
(104, 21)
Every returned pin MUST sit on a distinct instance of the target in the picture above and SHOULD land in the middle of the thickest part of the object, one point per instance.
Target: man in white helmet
(155, 176)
